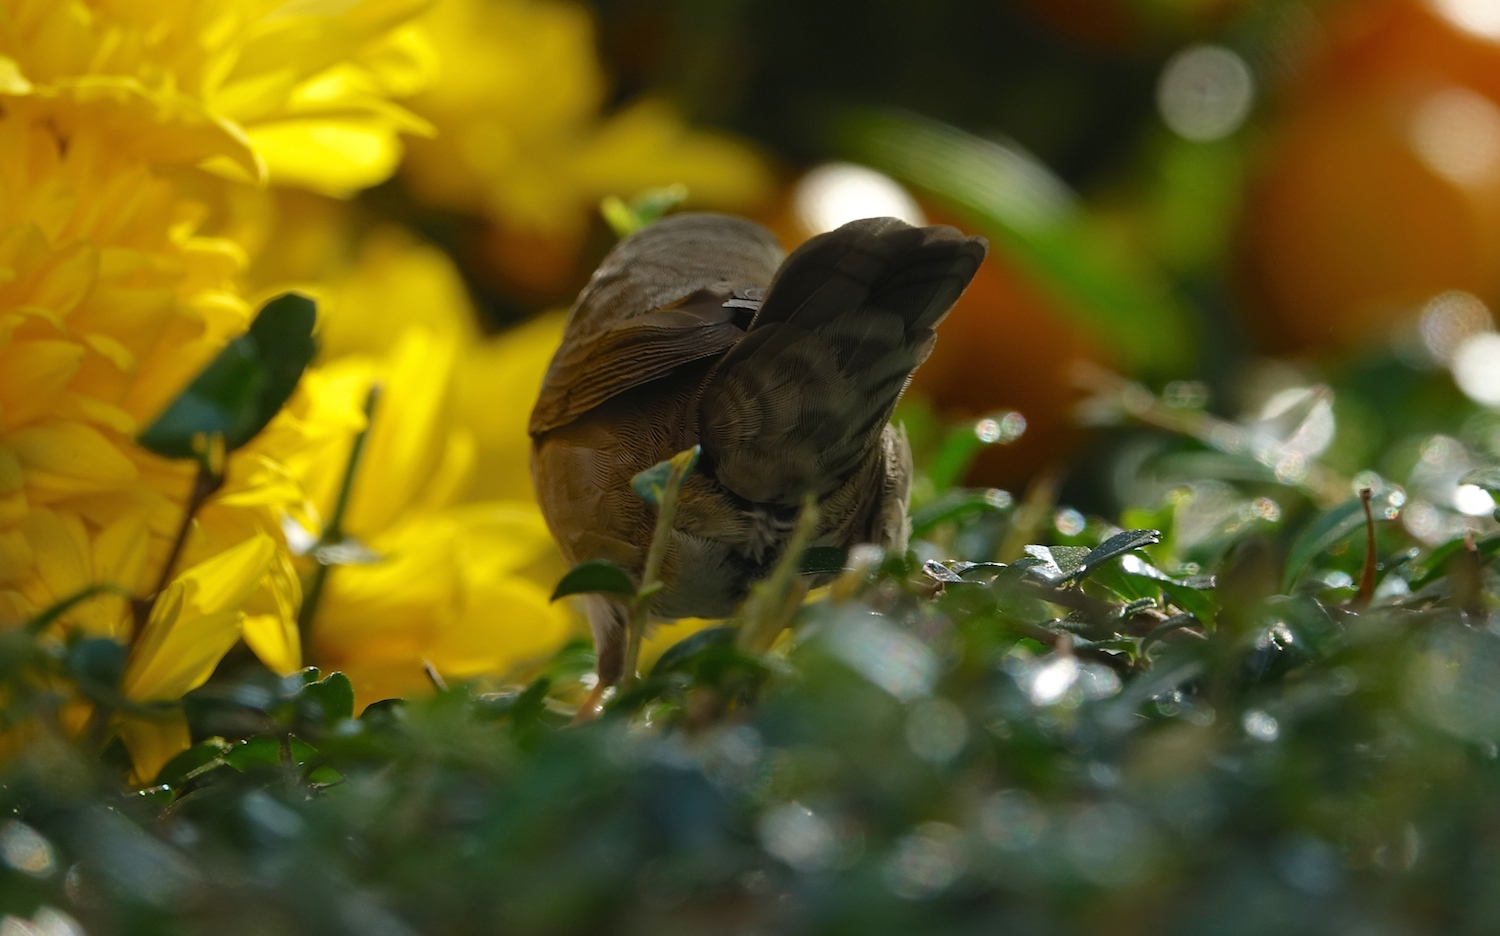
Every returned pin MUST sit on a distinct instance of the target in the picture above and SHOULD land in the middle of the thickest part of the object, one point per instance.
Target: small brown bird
(697, 330)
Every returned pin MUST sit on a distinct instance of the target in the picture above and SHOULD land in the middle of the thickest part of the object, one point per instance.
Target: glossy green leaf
(328, 700)
(205, 756)
(1118, 545)
(244, 386)
(1320, 536)
(649, 484)
(1058, 563)
(597, 576)
(269, 751)
(955, 506)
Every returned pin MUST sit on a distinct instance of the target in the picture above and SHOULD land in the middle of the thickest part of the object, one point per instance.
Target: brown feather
(655, 358)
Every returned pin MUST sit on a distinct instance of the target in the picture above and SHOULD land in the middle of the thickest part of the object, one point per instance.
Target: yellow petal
(32, 375)
(497, 538)
(505, 623)
(120, 551)
(70, 458)
(336, 157)
(159, 126)
(648, 145)
(15, 556)
(11, 79)
(13, 502)
(403, 445)
(275, 641)
(271, 618)
(393, 607)
(195, 622)
(60, 544)
(509, 367)
(152, 742)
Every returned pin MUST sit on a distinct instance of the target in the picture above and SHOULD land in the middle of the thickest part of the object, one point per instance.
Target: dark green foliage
(1077, 741)
(241, 389)
(596, 575)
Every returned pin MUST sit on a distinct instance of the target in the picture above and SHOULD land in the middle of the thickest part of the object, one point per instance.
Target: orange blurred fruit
(1381, 187)
(1008, 346)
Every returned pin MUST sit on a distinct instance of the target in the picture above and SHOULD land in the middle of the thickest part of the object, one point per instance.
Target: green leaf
(597, 576)
(823, 560)
(1320, 536)
(1118, 545)
(266, 751)
(650, 484)
(618, 215)
(97, 663)
(957, 505)
(680, 654)
(243, 387)
(45, 619)
(1454, 682)
(1058, 563)
(205, 756)
(1200, 603)
(328, 700)
(1030, 214)
(643, 210)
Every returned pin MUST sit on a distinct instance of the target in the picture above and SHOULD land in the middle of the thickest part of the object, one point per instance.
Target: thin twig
(434, 677)
(1322, 483)
(774, 600)
(206, 482)
(1367, 576)
(640, 606)
(333, 531)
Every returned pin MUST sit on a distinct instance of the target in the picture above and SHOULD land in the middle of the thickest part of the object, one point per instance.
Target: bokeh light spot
(1456, 131)
(936, 730)
(1473, 500)
(1451, 319)
(834, 194)
(1261, 725)
(26, 850)
(1478, 17)
(1476, 368)
(1205, 93)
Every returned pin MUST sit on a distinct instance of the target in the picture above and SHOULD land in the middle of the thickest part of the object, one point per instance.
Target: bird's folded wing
(586, 373)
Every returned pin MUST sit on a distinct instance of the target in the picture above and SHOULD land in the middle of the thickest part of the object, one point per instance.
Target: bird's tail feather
(800, 401)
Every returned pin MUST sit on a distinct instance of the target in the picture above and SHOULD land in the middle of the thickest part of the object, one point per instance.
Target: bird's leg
(607, 620)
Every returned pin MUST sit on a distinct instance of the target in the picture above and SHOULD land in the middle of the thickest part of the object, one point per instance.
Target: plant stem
(1367, 576)
(206, 483)
(333, 531)
(1113, 392)
(773, 601)
(640, 605)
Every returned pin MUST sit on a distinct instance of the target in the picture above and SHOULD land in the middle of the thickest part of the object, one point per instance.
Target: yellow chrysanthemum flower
(520, 138)
(110, 302)
(448, 581)
(295, 89)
